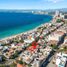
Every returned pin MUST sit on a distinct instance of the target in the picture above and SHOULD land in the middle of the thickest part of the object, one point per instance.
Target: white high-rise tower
(57, 13)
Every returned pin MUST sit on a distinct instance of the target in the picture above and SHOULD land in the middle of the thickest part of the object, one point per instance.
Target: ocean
(15, 23)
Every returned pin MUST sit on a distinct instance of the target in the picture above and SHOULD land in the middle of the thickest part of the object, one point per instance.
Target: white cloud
(54, 1)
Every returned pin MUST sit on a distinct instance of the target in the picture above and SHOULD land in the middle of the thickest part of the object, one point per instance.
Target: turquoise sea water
(15, 23)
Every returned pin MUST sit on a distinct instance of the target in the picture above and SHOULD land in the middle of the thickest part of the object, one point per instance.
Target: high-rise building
(65, 16)
(57, 13)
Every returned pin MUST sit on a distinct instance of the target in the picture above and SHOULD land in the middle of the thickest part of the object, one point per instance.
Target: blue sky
(32, 4)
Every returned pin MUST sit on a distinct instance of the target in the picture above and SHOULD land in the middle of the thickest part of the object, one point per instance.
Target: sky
(33, 4)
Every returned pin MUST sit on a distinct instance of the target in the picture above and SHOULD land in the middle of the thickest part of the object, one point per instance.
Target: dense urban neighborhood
(44, 46)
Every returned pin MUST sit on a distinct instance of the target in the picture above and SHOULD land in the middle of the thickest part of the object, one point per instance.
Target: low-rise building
(55, 37)
(61, 59)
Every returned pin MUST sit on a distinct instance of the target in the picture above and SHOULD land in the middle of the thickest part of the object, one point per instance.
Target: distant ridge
(53, 10)
(30, 10)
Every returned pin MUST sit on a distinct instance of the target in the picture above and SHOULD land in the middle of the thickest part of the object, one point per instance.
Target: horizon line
(34, 9)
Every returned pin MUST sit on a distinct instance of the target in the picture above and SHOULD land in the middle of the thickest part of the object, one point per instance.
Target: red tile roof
(60, 32)
(66, 37)
(52, 42)
(19, 65)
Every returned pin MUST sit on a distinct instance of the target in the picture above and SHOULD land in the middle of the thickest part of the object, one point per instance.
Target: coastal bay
(16, 23)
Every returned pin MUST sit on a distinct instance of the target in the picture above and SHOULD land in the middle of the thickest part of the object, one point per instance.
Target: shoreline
(19, 34)
(10, 36)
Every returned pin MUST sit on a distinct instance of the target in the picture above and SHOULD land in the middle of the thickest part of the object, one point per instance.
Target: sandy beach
(14, 36)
